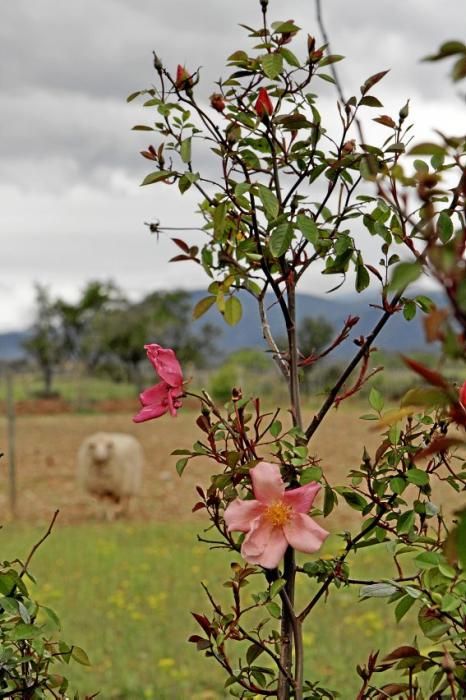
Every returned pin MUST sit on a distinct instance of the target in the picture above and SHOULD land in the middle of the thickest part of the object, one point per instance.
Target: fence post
(11, 432)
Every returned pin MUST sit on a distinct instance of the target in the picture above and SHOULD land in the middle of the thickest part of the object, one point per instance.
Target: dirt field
(46, 448)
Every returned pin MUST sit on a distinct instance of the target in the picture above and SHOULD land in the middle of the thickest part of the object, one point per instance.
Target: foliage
(105, 332)
(287, 194)
(30, 648)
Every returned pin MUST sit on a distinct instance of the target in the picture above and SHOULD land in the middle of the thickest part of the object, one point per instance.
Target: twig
(38, 544)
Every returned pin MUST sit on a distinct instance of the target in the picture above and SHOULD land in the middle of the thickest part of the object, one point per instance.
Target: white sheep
(109, 467)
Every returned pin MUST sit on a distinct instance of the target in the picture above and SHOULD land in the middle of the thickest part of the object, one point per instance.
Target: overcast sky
(71, 206)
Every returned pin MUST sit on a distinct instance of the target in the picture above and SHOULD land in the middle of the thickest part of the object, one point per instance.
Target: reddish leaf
(198, 506)
(203, 621)
(429, 375)
(440, 444)
(401, 653)
(372, 80)
(181, 244)
(180, 257)
(385, 120)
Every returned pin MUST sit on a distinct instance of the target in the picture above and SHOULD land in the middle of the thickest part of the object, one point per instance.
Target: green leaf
(327, 60)
(362, 276)
(427, 149)
(398, 484)
(445, 227)
(404, 274)
(426, 560)
(24, 631)
(158, 176)
(276, 428)
(354, 499)
(417, 477)
(276, 587)
(269, 202)
(330, 501)
(185, 150)
(310, 474)
(370, 101)
(142, 127)
(308, 228)
(203, 305)
(432, 626)
(180, 465)
(280, 240)
(133, 96)
(403, 606)
(409, 309)
(461, 540)
(233, 311)
(272, 64)
(253, 652)
(290, 58)
(377, 590)
(405, 522)
(274, 610)
(376, 399)
(80, 656)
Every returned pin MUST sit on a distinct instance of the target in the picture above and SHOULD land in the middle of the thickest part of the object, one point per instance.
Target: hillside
(399, 335)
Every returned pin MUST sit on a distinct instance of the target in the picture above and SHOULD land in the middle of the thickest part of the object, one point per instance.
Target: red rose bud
(263, 106)
(311, 44)
(217, 102)
(315, 56)
(183, 79)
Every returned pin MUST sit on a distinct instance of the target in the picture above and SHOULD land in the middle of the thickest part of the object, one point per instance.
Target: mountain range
(399, 335)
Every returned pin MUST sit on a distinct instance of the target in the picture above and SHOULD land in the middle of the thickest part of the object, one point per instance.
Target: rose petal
(174, 400)
(267, 482)
(264, 544)
(302, 498)
(239, 515)
(157, 395)
(149, 412)
(165, 364)
(303, 533)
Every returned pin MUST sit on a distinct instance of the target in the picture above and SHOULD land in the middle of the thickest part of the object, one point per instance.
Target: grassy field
(124, 592)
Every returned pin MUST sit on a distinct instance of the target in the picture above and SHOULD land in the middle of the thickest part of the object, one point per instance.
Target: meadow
(124, 590)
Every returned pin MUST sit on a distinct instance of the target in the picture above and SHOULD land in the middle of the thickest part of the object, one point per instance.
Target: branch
(38, 544)
(328, 403)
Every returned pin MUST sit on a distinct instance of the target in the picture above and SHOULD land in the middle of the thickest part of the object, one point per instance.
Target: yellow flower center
(278, 513)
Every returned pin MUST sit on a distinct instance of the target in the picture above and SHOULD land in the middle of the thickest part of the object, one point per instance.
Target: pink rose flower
(275, 519)
(462, 394)
(166, 395)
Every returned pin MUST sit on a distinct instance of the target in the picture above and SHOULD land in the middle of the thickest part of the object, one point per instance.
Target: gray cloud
(69, 164)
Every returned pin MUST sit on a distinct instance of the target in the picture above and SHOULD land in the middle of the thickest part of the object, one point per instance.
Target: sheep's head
(100, 449)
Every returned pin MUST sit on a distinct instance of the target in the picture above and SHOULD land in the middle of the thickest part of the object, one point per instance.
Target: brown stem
(328, 403)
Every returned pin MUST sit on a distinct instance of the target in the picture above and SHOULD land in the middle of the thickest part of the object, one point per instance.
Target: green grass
(124, 593)
(77, 389)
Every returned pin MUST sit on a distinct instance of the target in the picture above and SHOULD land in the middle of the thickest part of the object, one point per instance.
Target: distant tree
(116, 336)
(313, 335)
(45, 342)
(76, 319)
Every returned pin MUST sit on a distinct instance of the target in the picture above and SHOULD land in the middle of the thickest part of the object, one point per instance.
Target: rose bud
(150, 154)
(183, 79)
(315, 56)
(217, 102)
(311, 44)
(348, 147)
(263, 106)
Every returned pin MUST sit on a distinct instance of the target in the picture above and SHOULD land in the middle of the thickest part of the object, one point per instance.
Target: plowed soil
(46, 448)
